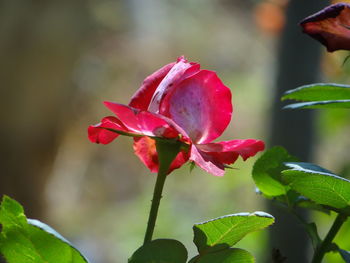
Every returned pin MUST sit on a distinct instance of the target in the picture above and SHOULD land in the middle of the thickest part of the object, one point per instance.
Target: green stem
(167, 152)
(324, 246)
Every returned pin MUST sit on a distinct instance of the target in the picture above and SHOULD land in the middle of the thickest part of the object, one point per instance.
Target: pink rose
(178, 102)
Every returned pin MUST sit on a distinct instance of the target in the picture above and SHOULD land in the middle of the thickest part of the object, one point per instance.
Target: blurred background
(59, 60)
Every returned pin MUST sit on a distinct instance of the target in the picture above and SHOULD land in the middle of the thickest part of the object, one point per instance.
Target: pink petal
(201, 105)
(125, 114)
(212, 156)
(181, 70)
(142, 97)
(228, 151)
(145, 149)
(206, 162)
(156, 125)
(143, 122)
(330, 26)
(97, 134)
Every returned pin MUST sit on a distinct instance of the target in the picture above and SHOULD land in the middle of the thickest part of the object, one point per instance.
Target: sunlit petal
(228, 151)
(181, 70)
(201, 105)
(142, 98)
(98, 134)
(206, 162)
(143, 122)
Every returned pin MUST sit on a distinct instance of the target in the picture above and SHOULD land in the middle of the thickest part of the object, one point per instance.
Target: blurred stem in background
(298, 63)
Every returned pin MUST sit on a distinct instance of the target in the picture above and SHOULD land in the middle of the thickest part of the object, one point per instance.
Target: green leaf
(326, 104)
(319, 92)
(319, 95)
(11, 214)
(267, 171)
(160, 251)
(225, 231)
(30, 241)
(231, 255)
(318, 184)
(345, 255)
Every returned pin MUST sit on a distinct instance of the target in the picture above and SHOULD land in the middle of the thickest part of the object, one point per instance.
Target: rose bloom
(178, 102)
(330, 26)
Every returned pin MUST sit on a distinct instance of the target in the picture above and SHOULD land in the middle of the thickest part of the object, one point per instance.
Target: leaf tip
(263, 214)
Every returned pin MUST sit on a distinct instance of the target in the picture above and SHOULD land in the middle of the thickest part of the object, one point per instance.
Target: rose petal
(154, 125)
(145, 149)
(201, 105)
(97, 134)
(143, 122)
(330, 26)
(227, 152)
(126, 114)
(142, 98)
(206, 162)
(181, 70)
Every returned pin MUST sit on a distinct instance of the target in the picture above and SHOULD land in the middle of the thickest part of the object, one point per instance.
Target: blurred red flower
(182, 102)
(330, 26)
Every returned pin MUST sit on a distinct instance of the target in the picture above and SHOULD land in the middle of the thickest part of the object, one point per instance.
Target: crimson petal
(142, 98)
(206, 162)
(143, 122)
(98, 134)
(181, 70)
(228, 151)
(212, 157)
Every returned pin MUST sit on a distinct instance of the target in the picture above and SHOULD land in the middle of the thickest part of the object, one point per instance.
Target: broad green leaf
(319, 92)
(345, 255)
(318, 184)
(326, 104)
(231, 255)
(267, 171)
(225, 231)
(160, 251)
(30, 241)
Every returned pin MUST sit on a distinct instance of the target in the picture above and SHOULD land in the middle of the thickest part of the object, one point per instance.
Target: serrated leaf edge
(313, 172)
(242, 214)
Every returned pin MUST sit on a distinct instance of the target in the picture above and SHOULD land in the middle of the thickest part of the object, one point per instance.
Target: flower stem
(324, 246)
(167, 152)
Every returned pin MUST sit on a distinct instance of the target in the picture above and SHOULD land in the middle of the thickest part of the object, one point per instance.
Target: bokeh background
(59, 60)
